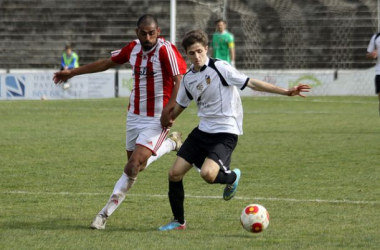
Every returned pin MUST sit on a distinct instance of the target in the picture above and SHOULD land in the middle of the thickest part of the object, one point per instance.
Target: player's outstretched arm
(270, 88)
(98, 66)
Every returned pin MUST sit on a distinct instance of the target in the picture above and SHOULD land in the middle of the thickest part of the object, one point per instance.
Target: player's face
(197, 53)
(148, 35)
(220, 27)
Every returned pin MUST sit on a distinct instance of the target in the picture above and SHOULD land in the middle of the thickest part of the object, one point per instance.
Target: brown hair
(194, 36)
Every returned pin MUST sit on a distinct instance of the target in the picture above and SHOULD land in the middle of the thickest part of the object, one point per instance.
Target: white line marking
(204, 197)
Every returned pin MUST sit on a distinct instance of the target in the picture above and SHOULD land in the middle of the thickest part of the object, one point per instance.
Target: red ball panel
(251, 209)
(257, 228)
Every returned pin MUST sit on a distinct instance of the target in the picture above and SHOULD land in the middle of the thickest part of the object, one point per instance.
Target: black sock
(176, 198)
(224, 178)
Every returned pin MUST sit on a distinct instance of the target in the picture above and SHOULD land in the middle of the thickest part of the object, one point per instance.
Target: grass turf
(313, 163)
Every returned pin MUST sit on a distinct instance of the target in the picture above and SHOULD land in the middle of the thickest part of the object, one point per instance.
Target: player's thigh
(152, 138)
(179, 169)
(144, 131)
(221, 148)
(192, 150)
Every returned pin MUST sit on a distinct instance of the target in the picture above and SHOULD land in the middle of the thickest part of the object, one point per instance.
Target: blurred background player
(223, 44)
(374, 43)
(157, 69)
(69, 60)
(213, 84)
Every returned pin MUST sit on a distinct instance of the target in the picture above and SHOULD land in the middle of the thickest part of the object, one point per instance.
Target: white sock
(120, 190)
(167, 146)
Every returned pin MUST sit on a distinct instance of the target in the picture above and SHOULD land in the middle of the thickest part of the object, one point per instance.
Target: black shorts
(201, 145)
(377, 84)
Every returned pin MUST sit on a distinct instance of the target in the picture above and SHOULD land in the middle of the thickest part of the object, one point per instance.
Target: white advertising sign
(39, 85)
(323, 82)
(125, 83)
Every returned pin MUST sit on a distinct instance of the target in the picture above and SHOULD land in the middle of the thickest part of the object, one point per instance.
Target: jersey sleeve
(371, 45)
(183, 96)
(231, 42)
(172, 61)
(122, 56)
(232, 75)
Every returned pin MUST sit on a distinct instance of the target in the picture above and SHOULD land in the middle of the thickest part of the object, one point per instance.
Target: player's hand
(297, 90)
(166, 120)
(62, 76)
(374, 54)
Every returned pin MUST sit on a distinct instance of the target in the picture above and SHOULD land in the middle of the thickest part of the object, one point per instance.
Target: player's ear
(158, 31)
(206, 48)
(137, 31)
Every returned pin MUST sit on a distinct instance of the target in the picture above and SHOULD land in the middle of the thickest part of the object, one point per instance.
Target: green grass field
(313, 163)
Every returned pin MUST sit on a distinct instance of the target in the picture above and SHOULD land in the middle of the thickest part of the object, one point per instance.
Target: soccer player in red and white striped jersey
(157, 69)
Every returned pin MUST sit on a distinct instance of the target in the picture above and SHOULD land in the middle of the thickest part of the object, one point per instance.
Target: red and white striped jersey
(153, 73)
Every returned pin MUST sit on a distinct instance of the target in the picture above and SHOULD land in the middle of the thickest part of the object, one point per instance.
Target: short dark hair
(194, 36)
(147, 19)
(220, 20)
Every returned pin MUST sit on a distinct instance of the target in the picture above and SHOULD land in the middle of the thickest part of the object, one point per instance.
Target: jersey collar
(202, 68)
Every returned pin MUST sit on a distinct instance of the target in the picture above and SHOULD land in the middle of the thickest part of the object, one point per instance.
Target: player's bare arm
(165, 117)
(270, 88)
(98, 66)
(232, 56)
(176, 111)
(372, 55)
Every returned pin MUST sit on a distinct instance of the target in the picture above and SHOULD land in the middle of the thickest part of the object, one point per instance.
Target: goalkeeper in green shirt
(223, 45)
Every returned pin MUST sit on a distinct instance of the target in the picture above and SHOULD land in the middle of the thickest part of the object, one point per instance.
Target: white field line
(200, 197)
(296, 99)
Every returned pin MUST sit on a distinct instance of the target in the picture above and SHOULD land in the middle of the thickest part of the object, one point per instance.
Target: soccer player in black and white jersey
(213, 85)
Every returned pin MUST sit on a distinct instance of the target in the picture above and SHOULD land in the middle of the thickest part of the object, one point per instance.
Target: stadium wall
(269, 34)
(38, 84)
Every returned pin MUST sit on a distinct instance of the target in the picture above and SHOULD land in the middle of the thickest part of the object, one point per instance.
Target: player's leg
(139, 149)
(177, 194)
(148, 142)
(212, 173)
(172, 143)
(191, 152)
(377, 88)
(137, 158)
(215, 168)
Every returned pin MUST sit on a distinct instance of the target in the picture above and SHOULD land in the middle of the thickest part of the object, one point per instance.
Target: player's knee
(207, 176)
(174, 176)
(132, 168)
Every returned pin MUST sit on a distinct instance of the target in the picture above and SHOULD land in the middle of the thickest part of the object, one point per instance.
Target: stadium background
(272, 36)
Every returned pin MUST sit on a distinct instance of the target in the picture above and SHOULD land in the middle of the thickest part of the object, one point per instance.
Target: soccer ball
(254, 218)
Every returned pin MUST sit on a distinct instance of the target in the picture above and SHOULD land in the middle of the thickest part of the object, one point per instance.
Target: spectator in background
(374, 43)
(157, 70)
(69, 59)
(223, 44)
